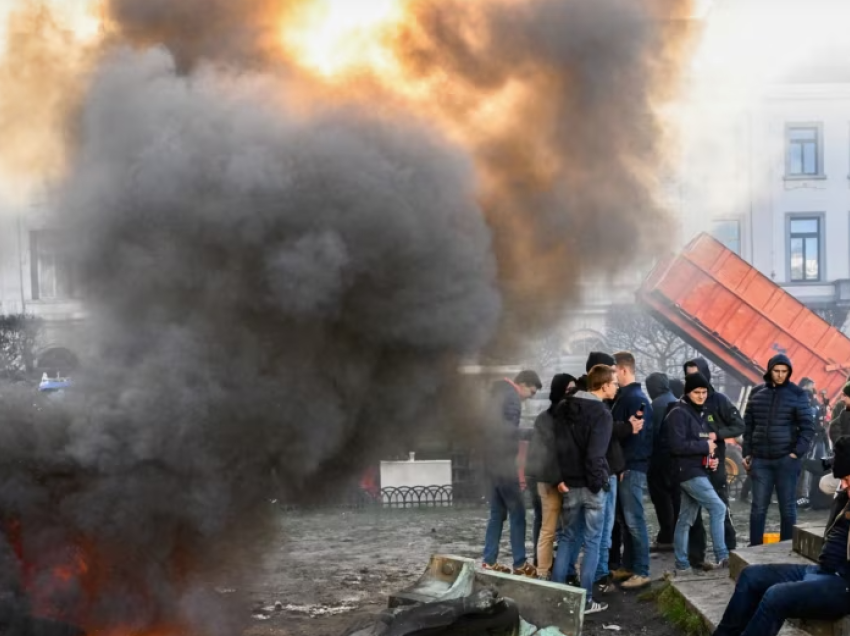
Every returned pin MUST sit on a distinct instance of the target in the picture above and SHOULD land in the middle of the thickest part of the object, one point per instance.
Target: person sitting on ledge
(767, 595)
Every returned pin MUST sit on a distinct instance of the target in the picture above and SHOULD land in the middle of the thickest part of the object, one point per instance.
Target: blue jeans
(698, 492)
(632, 490)
(765, 475)
(568, 564)
(505, 502)
(766, 595)
(582, 516)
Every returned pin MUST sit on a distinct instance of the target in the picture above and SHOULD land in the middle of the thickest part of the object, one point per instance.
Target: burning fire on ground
(292, 220)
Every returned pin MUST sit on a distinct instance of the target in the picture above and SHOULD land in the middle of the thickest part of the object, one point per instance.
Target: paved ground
(336, 566)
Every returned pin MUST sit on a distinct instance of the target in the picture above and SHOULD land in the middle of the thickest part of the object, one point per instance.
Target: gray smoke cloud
(274, 299)
(279, 293)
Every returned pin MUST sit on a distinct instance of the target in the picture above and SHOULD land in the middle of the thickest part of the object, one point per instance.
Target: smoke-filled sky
(284, 267)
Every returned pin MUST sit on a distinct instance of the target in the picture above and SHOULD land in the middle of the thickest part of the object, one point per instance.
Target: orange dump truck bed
(721, 305)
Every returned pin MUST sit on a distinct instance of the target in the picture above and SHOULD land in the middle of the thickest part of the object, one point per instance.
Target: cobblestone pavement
(333, 567)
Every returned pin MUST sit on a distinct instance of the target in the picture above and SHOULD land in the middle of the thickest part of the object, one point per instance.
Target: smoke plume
(279, 293)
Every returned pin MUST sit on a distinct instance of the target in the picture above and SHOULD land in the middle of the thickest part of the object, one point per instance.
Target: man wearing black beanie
(783, 591)
(693, 445)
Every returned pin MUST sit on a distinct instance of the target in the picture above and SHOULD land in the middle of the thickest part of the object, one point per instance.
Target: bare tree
(19, 338)
(654, 346)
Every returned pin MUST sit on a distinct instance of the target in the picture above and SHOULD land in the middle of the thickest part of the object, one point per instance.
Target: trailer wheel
(734, 464)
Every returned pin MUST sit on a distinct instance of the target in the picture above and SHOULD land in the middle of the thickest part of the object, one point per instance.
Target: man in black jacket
(693, 445)
(779, 430)
(582, 434)
(726, 422)
(663, 490)
(766, 595)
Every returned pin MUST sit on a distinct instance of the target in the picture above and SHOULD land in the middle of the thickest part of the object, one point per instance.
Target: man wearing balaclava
(767, 595)
(779, 428)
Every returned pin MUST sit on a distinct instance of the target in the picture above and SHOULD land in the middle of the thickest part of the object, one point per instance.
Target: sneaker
(621, 574)
(526, 570)
(496, 567)
(661, 547)
(636, 582)
(573, 581)
(594, 607)
(721, 565)
(607, 587)
(804, 503)
(675, 573)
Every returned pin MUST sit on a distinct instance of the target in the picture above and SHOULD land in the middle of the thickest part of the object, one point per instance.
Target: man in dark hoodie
(767, 595)
(541, 466)
(637, 448)
(582, 434)
(779, 430)
(565, 569)
(663, 490)
(502, 448)
(725, 421)
(693, 445)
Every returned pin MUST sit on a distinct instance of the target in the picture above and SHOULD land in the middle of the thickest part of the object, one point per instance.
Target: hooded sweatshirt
(778, 418)
(658, 386)
(721, 414)
(541, 464)
(583, 427)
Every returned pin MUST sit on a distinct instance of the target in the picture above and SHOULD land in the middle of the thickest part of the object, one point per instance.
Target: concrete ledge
(808, 539)
(781, 552)
(541, 603)
(707, 596)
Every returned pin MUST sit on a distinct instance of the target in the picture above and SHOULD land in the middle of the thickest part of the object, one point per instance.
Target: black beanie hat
(695, 381)
(841, 461)
(598, 357)
(846, 389)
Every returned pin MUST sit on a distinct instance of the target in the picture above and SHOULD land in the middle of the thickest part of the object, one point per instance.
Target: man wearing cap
(693, 445)
(767, 595)
(779, 428)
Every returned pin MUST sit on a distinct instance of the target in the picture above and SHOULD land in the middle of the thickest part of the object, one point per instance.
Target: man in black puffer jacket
(779, 430)
(726, 422)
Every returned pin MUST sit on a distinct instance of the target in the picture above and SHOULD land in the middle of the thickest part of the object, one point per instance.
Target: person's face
(698, 396)
(610, 389)
(779, 374)
(690, 370)
(846, 400)
(526, 391)
(571, 385)
(845, 482)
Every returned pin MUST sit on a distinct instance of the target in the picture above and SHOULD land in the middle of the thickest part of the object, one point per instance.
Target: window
(804, 152)
(728, 232)
(53, 275)
(804, 247)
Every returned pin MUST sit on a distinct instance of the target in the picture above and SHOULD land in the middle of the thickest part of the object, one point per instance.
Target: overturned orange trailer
(721, 305)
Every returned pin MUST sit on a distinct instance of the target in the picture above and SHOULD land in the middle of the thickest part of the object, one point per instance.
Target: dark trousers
(620, 553)
(766, 595)
(696, 540)
(664, 492)
(768, 474)
(537, 507)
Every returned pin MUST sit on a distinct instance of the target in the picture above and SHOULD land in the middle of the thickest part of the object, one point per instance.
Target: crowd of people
(603, 444)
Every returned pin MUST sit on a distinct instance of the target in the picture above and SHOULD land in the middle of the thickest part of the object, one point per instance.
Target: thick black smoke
(273, 298)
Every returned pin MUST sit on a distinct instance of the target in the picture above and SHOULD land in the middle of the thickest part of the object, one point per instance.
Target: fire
(330, 37)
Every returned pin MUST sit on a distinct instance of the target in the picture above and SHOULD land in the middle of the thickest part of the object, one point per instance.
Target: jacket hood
(657, 384)
(779, 359)
(701, 364)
